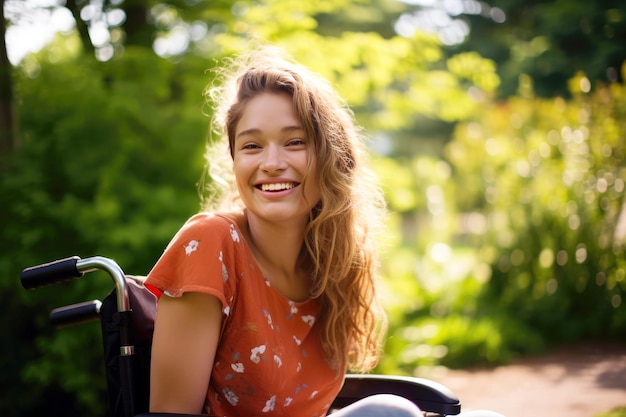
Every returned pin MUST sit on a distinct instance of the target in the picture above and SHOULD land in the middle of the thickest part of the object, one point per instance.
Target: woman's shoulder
(213, 222)
(218, 228)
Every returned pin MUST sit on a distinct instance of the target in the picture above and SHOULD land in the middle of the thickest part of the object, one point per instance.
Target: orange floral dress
(269, 361)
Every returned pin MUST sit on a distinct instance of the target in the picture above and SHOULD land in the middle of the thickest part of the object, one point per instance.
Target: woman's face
(271, 153)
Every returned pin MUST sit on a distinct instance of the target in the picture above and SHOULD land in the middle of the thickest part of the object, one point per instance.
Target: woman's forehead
(268, 112)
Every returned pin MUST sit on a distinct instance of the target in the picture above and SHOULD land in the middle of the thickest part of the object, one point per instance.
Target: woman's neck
(277, 250)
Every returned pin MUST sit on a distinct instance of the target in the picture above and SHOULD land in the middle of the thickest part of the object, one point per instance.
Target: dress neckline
(255, 264)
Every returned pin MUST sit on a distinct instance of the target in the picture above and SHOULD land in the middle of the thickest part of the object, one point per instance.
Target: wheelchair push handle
(76, 313)
(74, 267)
(50, 273)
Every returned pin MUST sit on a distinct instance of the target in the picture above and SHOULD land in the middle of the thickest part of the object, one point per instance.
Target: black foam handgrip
(50, 273)
(75, 313)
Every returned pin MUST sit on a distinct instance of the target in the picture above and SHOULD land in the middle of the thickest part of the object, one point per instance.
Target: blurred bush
(515, 239)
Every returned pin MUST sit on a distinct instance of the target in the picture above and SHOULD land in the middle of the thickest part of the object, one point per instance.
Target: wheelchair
(127, 315)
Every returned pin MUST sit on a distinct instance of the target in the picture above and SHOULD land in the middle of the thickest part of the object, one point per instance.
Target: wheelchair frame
(127, 343)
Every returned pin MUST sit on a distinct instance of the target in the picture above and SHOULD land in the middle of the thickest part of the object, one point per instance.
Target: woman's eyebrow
(248, 132)
(292, 128)
(255, 131)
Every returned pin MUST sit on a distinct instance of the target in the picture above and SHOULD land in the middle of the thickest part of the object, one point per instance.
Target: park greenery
(501, 155)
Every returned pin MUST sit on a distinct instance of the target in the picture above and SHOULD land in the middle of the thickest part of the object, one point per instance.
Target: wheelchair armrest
(428, 395)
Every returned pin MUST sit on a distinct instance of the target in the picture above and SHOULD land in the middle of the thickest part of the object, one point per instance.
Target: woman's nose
(273, 159)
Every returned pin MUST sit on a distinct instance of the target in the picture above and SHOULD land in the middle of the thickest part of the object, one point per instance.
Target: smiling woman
(277, 299)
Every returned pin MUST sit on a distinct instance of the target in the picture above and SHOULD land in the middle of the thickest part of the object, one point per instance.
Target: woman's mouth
(279, 186)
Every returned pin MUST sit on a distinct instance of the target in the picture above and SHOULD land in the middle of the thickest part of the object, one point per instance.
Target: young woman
(268, 302)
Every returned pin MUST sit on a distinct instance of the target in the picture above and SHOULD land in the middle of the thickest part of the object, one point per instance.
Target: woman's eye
(250, 146)
(296, 142)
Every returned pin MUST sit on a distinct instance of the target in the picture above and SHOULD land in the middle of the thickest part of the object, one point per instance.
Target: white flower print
(238, 367)
(278, 360)
(224, 270)
(267, 315)
(313, 394)
(294, 308)
(298, 341)
(227, 311)
(233, 233)
(255, 352)
(192, 246)
(309, 320)
(230, 396)
(270, 404)
(288, 401)
(299, 367)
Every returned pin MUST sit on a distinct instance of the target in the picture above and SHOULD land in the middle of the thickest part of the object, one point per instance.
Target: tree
(548, 40)
(8, 130)
(551, 41)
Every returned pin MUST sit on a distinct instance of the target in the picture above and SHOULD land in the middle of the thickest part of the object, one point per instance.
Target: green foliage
(99, 173)
(553, 197)
(437, 317)
(515, 240)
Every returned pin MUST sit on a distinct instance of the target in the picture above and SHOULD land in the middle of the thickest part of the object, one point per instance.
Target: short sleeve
(200, 258)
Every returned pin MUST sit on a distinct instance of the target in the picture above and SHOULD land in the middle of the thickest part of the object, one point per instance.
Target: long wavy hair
(340, 251)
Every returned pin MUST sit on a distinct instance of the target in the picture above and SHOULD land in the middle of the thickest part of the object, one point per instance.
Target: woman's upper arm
(186, 335)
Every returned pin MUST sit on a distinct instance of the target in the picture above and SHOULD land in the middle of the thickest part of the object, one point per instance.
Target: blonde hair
(340, 238)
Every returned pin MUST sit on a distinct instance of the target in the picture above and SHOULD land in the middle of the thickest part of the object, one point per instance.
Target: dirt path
(578, 381)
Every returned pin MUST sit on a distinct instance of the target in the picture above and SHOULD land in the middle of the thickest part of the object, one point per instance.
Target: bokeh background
(497, 127)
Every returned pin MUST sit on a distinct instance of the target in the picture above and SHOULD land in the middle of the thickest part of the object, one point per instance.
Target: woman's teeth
(277, 187)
